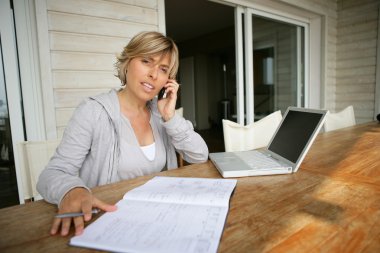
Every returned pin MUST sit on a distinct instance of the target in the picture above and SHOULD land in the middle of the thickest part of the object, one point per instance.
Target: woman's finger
(55, 226)
(79, 225)
(87, 205)
(103, 206)
(65, 226)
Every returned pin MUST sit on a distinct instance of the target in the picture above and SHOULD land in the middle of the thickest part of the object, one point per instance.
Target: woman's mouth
(147, 86)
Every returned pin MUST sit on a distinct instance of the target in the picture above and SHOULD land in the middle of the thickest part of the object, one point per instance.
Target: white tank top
(149, 151)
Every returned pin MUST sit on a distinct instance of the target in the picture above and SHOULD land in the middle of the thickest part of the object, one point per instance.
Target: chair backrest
(33, 157)
(344, 118)
(179, 111)
(256, 135)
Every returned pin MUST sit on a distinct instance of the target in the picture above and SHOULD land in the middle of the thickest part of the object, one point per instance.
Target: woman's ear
(126, 64)
(125, 76)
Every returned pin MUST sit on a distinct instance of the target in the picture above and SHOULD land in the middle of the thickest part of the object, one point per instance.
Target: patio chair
(341, 119)
(33, 157)
(255, 135)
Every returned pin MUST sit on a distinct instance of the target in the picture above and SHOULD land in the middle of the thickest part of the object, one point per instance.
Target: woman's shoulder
(102, 103)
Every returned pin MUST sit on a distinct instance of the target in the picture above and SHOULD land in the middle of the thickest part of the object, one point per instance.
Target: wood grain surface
(332, 204)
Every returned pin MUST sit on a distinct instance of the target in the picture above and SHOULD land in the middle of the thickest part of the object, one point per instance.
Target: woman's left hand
(166, 106)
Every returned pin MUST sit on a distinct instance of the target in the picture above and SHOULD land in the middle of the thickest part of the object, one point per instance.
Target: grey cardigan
(89, 152)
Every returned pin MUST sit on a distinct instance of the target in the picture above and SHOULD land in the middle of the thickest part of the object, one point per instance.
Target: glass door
(11, 114)
(271, 64)
(8, 182)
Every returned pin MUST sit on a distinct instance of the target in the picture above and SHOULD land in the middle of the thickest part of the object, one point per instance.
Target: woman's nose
(153, 72)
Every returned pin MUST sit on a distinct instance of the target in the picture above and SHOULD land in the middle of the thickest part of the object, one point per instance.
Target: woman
(122, 134)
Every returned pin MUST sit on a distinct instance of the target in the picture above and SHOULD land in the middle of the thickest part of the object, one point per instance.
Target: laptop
(285, 152)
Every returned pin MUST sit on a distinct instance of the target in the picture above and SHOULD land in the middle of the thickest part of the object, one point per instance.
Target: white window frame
(239, 65)
(249, 81)
(13, 91)
(27, 46)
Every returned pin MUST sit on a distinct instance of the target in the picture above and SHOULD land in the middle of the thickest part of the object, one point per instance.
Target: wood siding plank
(73, 23)
(142, 3)
(104, 9)
(82, 61)
(85, 79)
(65, 98)
(61, 41)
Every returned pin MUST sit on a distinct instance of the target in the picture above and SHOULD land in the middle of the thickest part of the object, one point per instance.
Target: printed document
(166, 214)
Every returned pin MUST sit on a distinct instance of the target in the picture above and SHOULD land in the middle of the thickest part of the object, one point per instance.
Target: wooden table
(332, 204)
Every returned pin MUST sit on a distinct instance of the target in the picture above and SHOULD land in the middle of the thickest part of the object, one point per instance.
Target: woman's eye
(164, 70)
(146, 61)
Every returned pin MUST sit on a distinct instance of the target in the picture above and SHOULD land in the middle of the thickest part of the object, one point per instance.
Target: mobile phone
(161, 93)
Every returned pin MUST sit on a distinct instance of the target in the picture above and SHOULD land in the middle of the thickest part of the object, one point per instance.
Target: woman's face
(147, 75)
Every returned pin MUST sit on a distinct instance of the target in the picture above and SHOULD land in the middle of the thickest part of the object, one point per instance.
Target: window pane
(277, 62)
(8, 183)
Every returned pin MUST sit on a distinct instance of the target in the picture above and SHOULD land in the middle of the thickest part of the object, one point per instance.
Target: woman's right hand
(77, 200)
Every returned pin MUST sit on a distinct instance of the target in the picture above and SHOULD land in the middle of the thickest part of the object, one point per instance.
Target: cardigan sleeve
(185, 140)
(62, 172)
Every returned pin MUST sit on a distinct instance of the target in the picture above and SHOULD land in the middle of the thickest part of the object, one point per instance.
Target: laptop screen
(294, 134)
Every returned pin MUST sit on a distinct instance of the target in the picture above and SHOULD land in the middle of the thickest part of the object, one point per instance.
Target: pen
(69, 215)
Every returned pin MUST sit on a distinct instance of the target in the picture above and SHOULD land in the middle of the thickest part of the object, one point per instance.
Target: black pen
(70, 215)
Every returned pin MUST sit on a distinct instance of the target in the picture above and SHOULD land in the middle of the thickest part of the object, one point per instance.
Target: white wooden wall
(352, 34)
(79, 41)
(356, 56)
(328, 10)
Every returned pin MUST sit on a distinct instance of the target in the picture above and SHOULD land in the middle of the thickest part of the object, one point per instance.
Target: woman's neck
(130, 104)
(138, 115)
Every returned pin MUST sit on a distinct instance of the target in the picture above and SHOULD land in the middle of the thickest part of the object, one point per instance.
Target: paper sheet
(170, 215)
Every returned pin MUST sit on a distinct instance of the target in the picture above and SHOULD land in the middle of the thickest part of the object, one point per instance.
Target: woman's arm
(62, 172)
(185, 140)
(180, 131)
(60, 183)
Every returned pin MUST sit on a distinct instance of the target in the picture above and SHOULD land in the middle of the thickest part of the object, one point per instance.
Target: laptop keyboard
(256, 159)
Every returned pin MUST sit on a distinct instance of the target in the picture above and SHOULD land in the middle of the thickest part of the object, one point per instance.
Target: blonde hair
(147, 44)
